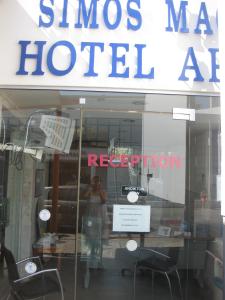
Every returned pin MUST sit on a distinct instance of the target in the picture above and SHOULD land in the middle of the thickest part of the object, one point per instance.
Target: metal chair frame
(43, 271)
(154, 270)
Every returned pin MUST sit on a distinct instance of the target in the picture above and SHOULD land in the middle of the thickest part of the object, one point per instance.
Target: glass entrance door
(149, 207)
(132, 202)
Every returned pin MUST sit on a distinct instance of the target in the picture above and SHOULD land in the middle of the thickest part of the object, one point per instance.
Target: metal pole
(221, 28)
(223, 257)
(55, 193)
(78, 201)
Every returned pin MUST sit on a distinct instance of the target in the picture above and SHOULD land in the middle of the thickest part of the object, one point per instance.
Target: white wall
(164, 136)
(20, 233)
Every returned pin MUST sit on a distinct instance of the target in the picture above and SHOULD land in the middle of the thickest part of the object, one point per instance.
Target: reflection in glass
(130, 143)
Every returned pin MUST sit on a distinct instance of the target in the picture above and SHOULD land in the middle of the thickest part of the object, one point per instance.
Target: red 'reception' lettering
(124, 161)
(92, 160)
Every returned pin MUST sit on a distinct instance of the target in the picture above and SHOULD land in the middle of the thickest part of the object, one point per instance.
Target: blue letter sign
(24, 55)
(194, 67)
(176, 19)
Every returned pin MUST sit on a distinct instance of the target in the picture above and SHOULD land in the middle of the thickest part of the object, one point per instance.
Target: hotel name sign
(137, 45)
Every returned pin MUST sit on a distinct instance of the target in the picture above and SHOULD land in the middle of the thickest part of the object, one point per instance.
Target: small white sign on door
(131, 218)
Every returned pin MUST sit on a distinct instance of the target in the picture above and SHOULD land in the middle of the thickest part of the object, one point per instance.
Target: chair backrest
(13, 273)
(173, 253)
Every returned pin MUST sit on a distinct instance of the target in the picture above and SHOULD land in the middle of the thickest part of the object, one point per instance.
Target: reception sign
(123, 45)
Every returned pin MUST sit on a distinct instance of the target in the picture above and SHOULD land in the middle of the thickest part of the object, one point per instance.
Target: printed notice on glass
(131, 218)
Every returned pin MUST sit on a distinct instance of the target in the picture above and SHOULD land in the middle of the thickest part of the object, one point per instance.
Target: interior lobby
(114, 191)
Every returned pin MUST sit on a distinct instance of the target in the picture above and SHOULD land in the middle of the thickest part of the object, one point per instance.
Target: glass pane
(149, 193)
(173, 168)
(142, 155)
(38, 186)
(203, 209)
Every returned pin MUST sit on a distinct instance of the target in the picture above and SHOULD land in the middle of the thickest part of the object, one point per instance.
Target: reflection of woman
(96, 206)
(96, 219)
(96, 189)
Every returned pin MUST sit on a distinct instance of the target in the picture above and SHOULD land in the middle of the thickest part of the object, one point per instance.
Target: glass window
(120, 197)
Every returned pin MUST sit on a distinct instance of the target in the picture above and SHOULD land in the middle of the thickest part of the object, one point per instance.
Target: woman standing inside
(95, 222)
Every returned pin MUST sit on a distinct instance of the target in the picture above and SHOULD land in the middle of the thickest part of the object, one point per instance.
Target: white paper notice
(59, 132)
(131, 218)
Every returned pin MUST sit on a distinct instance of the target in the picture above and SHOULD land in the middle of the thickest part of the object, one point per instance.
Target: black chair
(158, 262)
(35, 285)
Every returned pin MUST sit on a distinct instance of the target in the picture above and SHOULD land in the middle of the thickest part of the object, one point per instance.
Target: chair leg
(16, 296)
(61, 288)
(62, 293)
(135, 273)
(169, 282)
(8, 296)
(179, 281)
